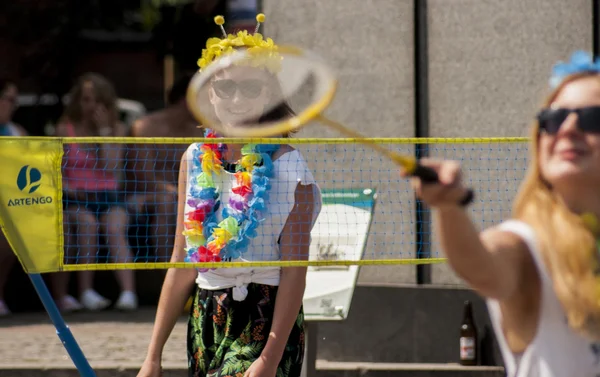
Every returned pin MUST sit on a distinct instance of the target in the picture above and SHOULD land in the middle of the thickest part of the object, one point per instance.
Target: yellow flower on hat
(212, 42)
(255, 43)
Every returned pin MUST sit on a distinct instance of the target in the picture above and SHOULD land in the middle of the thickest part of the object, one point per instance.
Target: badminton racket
(265, 93)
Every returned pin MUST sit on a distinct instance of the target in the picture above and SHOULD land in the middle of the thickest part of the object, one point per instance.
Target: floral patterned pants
(225, 336)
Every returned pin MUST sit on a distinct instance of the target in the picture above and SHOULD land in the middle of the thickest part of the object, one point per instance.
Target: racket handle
(468, 198)
(428, 175)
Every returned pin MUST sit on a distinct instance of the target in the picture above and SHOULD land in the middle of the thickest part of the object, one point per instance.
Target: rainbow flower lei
(207, 240)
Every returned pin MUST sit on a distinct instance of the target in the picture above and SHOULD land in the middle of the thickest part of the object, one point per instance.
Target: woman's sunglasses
(588, 119)
(226, 88)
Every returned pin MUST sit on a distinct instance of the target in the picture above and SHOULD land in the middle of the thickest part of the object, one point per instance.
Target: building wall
(489, 63)
(488, 68)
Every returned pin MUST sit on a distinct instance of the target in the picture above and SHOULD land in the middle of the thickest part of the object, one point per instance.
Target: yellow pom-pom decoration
(254, 42)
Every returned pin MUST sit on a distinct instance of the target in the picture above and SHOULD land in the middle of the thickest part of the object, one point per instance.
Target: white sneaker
(92, 300)
(127, 301)
(4, 309)
(69, 304)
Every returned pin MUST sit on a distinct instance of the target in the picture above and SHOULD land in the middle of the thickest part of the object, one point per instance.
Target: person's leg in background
(87, 230)
(114, 223)
(7, 261)
(60, 280)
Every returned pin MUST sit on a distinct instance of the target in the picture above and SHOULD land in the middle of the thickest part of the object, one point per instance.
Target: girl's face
(88, 101)
(569, 139)
(8, 103)
(239, 95)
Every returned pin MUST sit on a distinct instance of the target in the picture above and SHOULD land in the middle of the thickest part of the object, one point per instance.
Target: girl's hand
(449, 192)
(262, 367)
(150, 368)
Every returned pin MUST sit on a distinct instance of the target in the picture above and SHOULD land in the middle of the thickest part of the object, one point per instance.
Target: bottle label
(467, 348)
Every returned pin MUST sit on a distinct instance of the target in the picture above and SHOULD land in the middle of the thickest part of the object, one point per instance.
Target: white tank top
(556, 350)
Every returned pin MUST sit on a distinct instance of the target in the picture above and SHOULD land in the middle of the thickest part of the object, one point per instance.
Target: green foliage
(150, 10)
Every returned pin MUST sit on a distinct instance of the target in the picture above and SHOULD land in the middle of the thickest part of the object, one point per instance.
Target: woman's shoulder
(283, 150)
(515, 227)
(291, 165)
(287, 154)
(512, 237)
(191, 151)
(193, 147)
(288, 159)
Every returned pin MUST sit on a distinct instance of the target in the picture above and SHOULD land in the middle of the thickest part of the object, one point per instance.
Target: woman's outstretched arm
(491, 262)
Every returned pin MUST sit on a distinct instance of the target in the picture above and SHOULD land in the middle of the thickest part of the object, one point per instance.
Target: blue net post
(62, 330)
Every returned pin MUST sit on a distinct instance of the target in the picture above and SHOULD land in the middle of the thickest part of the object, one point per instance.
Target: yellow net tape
(369, 215)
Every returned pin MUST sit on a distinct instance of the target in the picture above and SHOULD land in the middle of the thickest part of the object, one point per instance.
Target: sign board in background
(340, 232)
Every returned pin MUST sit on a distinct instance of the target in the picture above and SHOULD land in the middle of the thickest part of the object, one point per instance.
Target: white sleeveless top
(288, 170)
(556, 350)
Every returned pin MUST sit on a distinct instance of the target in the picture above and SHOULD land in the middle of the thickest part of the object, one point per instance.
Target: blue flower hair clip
(580, 62)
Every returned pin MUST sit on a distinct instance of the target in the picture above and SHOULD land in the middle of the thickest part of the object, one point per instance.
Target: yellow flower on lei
(222, 235)
(244, 178)
(194, 232)
(249, 160)
(195, 237)
(210, 162)
(216, 245)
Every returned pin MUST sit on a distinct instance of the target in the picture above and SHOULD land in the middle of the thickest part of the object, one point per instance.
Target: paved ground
(115, 345)
(107, 337)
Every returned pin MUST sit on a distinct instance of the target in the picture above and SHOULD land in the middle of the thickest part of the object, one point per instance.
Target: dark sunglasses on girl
(226, 88)
(588, 119)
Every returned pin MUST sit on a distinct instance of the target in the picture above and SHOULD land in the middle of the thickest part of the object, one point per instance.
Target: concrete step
(324, 369)
(357, 369)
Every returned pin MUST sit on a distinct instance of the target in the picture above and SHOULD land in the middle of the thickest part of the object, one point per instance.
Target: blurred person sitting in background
(8, 105)
(153, 169)
(92, 202)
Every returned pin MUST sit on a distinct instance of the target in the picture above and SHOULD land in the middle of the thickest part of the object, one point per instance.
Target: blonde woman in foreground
(540, 270)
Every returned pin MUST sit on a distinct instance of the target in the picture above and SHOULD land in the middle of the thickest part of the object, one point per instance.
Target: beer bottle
(468, 337)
